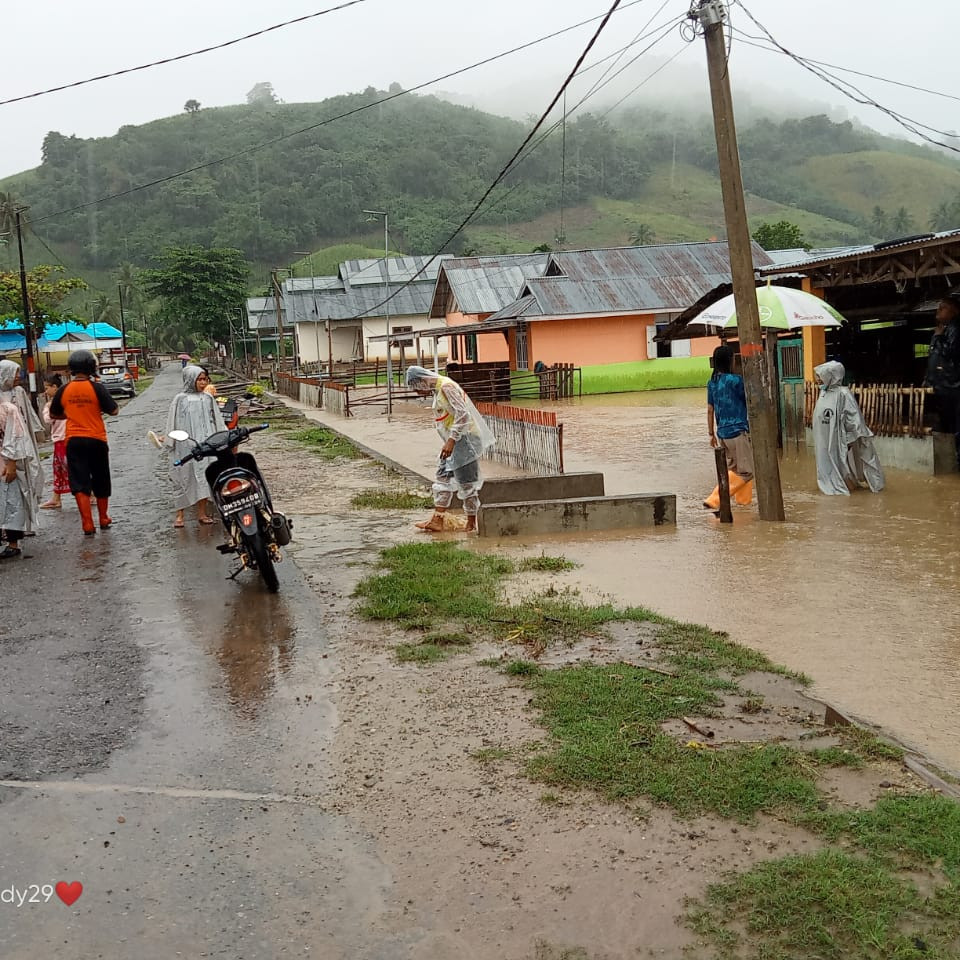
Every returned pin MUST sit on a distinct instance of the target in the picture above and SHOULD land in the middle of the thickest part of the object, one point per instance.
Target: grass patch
(830, 906)
(142, 384)
(421, 653)
(328, 444)
(605, 723)
(389, 500)
(430, 583)
(546, 564)
(520, 668)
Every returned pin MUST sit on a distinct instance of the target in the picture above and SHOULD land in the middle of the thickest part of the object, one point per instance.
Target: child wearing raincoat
(466, 437)
(846, 456)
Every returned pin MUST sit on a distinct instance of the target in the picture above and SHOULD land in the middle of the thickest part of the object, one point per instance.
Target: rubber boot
(86, 513)
(713, 501)
(744, 493)
(105, 520)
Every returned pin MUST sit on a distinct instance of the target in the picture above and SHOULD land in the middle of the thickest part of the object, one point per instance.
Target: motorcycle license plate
(242, 503)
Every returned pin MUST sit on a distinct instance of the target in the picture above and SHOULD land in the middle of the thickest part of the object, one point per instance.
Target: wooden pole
(763, 427)
(723, 482)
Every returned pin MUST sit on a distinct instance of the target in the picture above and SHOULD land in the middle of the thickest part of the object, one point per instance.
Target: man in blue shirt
(728, 426)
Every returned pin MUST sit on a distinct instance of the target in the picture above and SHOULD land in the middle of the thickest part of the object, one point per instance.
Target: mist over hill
(426, 161)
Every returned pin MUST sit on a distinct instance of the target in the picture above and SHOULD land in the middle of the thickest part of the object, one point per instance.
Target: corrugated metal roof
(363, 301)
(306, 283)
(394, 269)
(654, 261)
(817, 258)
(523, 307)
(484, 284)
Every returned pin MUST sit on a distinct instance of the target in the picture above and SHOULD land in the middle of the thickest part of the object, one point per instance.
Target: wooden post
(763, 427)
(723, 482)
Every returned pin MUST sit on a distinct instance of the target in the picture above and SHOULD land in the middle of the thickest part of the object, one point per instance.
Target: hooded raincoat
(455, 416)
(18, 499)
(29, 471)
(199, 415)
(846, 457)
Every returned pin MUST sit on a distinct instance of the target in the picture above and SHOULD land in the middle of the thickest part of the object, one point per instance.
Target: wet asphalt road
(162, 741)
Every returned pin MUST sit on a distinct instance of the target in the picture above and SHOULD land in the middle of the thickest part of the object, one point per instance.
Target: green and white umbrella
(781, 308)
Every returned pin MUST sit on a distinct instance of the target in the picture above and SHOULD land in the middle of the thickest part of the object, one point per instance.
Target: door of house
(792, 397)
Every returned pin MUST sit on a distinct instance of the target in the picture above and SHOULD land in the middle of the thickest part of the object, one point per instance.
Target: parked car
(118, 380)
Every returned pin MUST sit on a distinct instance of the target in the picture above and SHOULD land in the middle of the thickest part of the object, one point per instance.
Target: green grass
(829, 906)
(490, 754)
(328, 444)
(142, 384)
(546, 564)
(389, 500)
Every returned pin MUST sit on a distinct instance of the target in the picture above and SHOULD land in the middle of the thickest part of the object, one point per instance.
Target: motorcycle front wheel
(261, 554)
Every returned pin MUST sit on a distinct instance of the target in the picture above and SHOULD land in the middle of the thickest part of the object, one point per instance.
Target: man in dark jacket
(943, 365)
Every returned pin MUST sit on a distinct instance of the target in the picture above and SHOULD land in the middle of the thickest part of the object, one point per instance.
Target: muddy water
(858, 592)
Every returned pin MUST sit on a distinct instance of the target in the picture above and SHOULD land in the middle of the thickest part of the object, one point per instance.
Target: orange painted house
(585, 307)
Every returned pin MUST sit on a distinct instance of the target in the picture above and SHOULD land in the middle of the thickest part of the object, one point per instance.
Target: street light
(316, 312)
(372, 215)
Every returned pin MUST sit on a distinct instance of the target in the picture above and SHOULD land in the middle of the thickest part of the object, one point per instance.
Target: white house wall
(377, 326)
(343, 338)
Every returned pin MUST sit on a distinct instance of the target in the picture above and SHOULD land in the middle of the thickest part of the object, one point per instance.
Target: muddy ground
(502, 866)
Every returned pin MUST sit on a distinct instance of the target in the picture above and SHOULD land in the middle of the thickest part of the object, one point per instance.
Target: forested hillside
(426, 162)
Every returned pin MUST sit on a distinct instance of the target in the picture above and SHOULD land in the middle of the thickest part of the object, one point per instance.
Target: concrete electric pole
(756, 375)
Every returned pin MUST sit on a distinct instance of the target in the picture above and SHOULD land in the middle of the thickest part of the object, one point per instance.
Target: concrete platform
(556, 486)
(577, 515)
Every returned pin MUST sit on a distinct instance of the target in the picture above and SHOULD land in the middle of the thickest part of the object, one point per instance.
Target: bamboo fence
(890, 410)
(529, 439)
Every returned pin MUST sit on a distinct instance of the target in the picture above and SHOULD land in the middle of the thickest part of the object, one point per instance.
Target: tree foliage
(782, 235)
(198, 288)
(46, 290)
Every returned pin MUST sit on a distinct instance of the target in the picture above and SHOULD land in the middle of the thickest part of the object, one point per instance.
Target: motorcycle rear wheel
(261, 554)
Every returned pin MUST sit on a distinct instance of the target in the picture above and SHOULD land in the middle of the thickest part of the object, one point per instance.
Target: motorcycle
(255, 531)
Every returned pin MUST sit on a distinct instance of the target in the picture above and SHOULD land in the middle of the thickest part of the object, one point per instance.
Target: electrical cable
(853, 93)
(349, 113)
(741, 34)
(507, 166)
(182, 56)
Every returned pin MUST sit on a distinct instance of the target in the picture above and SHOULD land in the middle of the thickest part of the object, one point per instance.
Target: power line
(853, 93)
(314, 126)
(183, 56)
(507, 165)
(741, 34)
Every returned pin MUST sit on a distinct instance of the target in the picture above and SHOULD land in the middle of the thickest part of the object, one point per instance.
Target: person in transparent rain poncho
(466, 438)
(196, 412)
(21, 480)
(846, 457)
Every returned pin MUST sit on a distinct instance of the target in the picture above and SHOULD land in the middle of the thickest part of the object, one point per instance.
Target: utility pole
(123, 327)
(277, 297)
(386, 305)
(756, 376)
(27, 324)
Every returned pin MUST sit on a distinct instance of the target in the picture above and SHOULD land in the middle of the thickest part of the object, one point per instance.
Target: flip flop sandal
(178, 524)
(154, 439)
(51, 506)
(8, 552)
(206, 521)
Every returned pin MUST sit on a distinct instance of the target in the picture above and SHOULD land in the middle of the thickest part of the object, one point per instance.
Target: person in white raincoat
(846, 457)
(199, 415)
(18, 500)
(466, 438)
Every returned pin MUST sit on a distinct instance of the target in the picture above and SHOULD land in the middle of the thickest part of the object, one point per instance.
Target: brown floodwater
(858, 592)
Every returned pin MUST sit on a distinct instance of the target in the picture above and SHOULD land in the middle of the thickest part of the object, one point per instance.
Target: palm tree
(902, 222)
(941, 218)
(642, 235)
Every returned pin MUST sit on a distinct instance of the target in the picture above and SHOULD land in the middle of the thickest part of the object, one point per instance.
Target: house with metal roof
(338, 315)
(585, 307)
(470, 289)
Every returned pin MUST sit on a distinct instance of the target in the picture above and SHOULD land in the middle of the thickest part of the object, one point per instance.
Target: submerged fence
(529, 439)
(891, 410)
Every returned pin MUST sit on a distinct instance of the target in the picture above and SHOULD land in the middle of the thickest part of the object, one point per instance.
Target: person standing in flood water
(842, 441)
(729, 427)
(466, 437)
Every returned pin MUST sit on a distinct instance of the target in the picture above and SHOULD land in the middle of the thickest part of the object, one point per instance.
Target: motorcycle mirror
(179, 435)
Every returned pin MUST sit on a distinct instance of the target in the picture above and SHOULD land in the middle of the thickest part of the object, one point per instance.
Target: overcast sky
(377, 42)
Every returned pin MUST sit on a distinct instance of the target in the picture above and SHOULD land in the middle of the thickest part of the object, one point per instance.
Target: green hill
(426, 161)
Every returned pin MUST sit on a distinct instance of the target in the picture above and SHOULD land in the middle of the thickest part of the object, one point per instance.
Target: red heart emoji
(69, 893)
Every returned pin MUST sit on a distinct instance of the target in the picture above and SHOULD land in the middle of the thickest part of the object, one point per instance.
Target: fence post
(723, 482)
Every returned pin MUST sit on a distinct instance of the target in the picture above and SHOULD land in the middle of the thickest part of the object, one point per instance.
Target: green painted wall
(669, 373)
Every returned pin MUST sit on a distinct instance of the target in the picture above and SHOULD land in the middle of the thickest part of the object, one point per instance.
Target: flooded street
(858, 592)
(166, 741)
